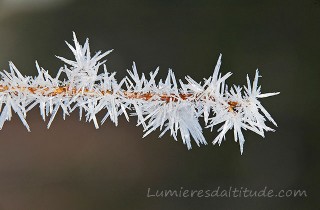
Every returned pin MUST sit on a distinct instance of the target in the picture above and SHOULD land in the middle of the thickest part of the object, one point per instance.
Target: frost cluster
(169, 105)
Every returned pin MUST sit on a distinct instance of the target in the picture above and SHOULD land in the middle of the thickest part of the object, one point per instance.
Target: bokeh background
(75, 166)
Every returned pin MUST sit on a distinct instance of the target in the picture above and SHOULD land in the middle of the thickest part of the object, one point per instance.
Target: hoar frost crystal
(169, 105)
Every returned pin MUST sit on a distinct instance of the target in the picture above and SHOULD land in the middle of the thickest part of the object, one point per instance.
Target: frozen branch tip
(170, 105)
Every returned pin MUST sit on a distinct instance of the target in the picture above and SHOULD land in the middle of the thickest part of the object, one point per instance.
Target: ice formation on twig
(169, 105)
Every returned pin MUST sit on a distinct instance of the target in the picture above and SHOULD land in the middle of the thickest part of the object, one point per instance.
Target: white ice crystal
(170, 105)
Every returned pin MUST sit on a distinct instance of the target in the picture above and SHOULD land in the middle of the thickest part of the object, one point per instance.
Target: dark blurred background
(75, 166)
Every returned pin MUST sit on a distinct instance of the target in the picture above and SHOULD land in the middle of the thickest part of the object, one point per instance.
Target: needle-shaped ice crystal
(170, 105)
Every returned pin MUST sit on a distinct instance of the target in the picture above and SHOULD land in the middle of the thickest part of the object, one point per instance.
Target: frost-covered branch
(169, 105)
